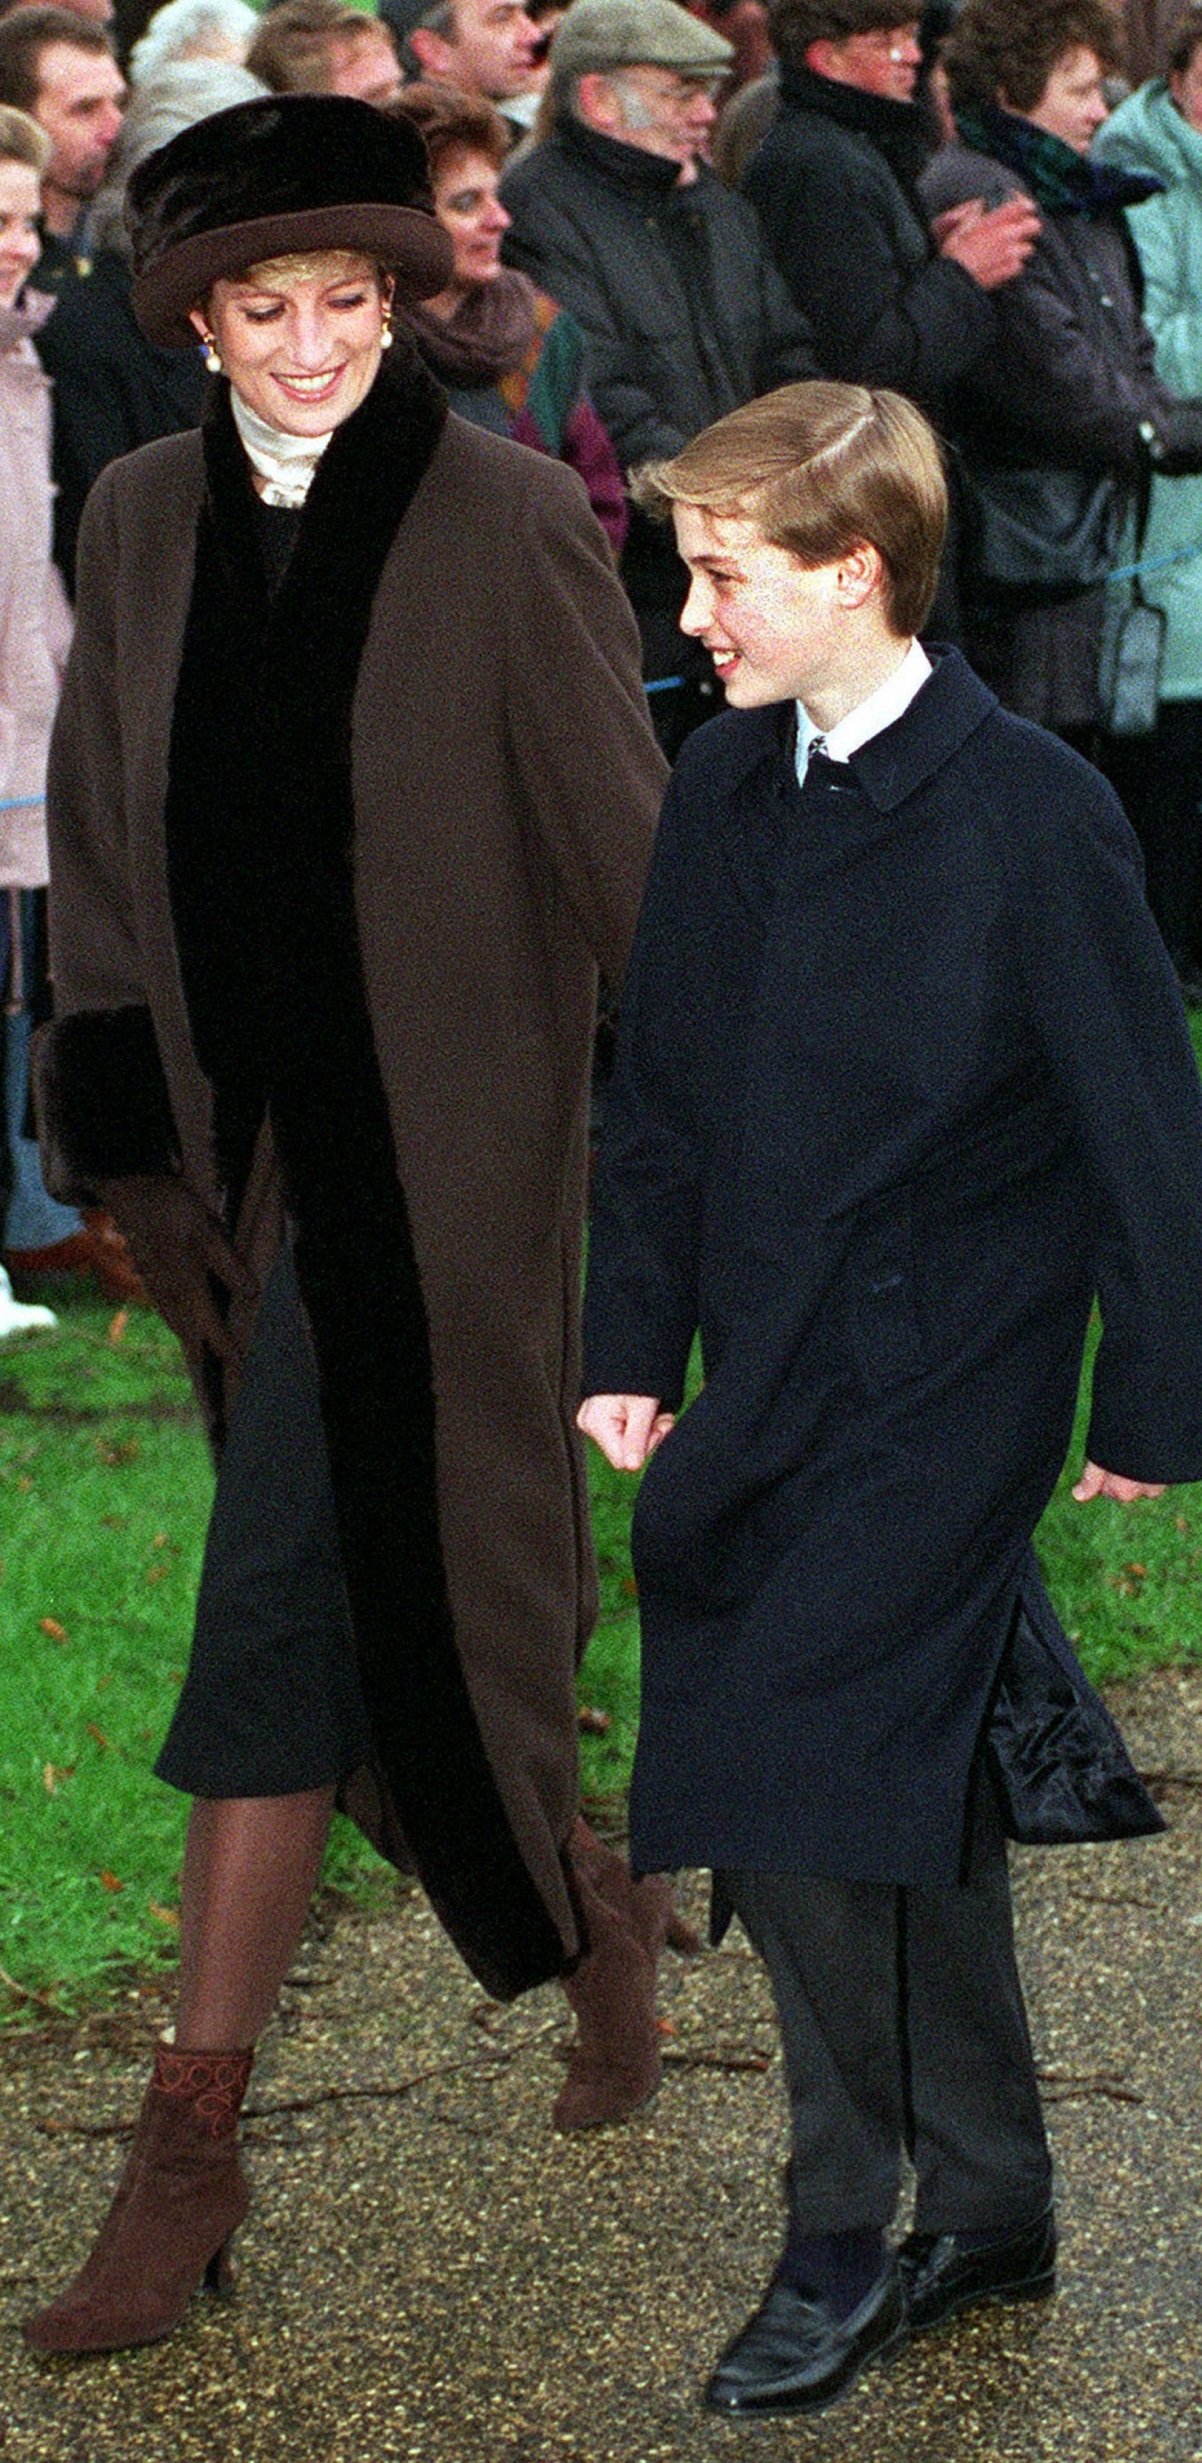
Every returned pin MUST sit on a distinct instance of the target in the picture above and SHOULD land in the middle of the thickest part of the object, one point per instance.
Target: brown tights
(251, 1866)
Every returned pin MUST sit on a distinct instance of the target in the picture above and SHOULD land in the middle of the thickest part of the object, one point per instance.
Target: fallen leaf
(164, 1915)
(593, 1722)
(109, 1881)
(117, 1326)
(664, 2026)
(56, 1775)
(50, 1625)
(98, 1736)
(116, 1454)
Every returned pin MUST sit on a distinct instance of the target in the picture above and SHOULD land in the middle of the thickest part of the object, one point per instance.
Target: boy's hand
(1094, 1482)
(627, 1427)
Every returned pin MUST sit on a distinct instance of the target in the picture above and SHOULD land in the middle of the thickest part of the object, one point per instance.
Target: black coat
(1074, 373)
(851, 240)
(903, 1081)
(113, 390)
(1068, 385)
(684, 312)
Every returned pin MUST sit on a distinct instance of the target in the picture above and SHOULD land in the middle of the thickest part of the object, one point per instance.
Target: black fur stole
(260, 824)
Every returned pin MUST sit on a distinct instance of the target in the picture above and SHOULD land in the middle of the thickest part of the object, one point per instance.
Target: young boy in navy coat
(903, 1085)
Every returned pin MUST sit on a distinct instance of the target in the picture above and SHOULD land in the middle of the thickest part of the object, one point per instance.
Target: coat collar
(627, 167)
(899, 761)
(893, 765)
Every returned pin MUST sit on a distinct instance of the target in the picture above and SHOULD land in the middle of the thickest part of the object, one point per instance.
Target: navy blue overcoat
(903, 1083)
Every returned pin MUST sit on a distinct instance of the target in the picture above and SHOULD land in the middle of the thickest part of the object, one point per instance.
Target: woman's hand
(627, 1427)
(1094, 1482)
(992, 244)
(183, 1256)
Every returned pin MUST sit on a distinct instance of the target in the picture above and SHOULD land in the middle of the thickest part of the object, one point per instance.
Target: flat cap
(605, 34)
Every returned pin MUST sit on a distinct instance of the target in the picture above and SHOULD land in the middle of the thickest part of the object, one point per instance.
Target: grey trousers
(903, 2026)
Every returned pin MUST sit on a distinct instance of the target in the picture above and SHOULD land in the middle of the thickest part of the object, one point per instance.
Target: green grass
(104, 1494)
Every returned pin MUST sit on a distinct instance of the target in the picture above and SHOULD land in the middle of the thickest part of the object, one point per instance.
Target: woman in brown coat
(350, 794)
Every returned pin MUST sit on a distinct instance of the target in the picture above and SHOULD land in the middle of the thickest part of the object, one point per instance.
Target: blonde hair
(21, 139)
(821, 468)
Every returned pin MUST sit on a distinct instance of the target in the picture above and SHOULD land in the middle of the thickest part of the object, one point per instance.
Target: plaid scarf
(1060, 181)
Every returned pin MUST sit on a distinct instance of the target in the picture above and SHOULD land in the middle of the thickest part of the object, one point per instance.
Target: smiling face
(20, 246)
(766, 620)
(779, 630)
(300, 339)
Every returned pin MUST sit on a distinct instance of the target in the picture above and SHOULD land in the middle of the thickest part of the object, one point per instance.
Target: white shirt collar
(287, 463)
(869, 718)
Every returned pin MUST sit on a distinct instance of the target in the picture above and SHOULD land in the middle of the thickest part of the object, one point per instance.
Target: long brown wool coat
(505, 783)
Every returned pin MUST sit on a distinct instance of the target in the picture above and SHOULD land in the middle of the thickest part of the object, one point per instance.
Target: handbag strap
(1143, 506)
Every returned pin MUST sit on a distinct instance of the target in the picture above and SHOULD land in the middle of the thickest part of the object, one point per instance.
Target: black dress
(272, 1702)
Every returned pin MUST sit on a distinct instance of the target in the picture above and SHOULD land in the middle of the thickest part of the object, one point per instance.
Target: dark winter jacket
(113, 390)
(685, 314)
(849, 235)
(1073, 374)
(951, 1096)
(1068, 385)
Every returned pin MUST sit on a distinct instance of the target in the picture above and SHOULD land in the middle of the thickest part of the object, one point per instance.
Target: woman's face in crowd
(20, 246)
(1185, 86)
(300, 339)
(1072, 105)
(468, 207)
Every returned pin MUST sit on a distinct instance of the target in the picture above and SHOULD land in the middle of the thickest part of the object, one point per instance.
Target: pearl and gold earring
(212, 356)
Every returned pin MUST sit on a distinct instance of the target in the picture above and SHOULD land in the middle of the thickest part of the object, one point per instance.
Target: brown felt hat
(285, 175)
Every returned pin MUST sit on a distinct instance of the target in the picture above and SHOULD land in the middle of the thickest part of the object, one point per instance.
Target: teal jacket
(1147, 132)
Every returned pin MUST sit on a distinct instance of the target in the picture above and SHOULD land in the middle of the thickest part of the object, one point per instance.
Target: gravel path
(429, 2273)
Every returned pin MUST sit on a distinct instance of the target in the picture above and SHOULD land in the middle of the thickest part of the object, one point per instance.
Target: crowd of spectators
(968, 206)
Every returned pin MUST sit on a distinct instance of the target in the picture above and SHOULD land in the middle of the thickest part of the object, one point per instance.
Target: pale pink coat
(35, 619)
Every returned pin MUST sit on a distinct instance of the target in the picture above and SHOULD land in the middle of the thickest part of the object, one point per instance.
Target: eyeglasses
(675, 90)
(895, 43)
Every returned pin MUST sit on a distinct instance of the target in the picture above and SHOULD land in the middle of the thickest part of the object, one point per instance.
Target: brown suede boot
(182, 2195)
(614, 2065)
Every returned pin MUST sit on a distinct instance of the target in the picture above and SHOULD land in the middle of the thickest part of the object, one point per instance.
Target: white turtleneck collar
(286, 463)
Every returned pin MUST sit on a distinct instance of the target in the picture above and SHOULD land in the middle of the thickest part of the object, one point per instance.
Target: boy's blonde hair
(820, 468)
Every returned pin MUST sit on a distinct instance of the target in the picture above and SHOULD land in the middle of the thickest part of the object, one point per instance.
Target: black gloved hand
(181, 1251)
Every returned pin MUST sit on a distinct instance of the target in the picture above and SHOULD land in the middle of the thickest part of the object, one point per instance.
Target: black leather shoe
(941, 2277)
(794, 2355)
